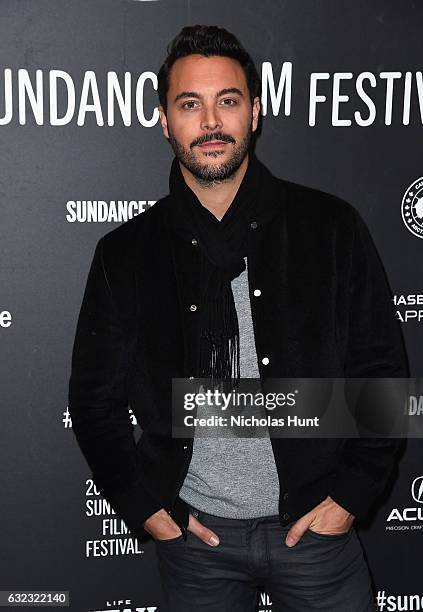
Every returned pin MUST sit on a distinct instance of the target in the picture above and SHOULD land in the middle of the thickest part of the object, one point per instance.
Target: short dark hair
(208, 41)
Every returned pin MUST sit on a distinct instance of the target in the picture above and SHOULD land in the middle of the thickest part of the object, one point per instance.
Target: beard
(207, 174)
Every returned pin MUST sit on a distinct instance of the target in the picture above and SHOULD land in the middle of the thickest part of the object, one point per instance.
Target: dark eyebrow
(222, 92)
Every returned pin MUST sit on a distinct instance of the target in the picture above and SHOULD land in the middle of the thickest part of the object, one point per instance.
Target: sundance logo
(407, 517)
(100, 211)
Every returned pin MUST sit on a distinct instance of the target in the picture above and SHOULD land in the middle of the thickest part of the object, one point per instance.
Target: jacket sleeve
(375, 349)
(98, 403)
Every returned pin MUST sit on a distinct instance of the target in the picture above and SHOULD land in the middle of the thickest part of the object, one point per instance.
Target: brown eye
(190, 102)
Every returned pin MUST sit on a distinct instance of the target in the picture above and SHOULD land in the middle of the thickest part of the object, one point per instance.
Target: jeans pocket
(329, 536)
(179, 538)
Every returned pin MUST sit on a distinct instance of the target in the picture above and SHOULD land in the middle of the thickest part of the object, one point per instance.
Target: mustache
(210, 137)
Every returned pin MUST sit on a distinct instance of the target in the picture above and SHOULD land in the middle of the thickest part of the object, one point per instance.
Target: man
(235, 273)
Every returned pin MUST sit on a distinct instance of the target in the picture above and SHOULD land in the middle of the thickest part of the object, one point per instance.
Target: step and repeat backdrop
(82, 151)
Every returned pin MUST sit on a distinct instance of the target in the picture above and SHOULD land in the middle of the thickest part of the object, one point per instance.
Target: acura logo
(417, 489)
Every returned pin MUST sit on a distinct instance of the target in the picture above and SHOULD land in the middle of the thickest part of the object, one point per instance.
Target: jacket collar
(272, 197)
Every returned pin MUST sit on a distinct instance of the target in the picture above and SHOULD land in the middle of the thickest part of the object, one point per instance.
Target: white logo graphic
(409, 518)
(412, 208)
(417, 489)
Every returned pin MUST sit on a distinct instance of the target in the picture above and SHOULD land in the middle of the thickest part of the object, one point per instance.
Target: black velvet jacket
(325, 310)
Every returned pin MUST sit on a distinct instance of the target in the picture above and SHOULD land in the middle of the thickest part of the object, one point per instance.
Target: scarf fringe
(219, 353)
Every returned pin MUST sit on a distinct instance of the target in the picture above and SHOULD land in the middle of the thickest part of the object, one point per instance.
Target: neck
(218, 195)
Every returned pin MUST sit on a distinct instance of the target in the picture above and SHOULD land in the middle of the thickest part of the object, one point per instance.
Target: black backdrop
(62, 151)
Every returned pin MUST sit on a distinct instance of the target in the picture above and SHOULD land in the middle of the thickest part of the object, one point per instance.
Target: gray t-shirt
(230, 476)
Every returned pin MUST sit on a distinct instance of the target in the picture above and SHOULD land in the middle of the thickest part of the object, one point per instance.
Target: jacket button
(257, 292)
(193, 307)
(285, 496)
(194, 241)
(286, 516)
(265, 360)
(253, 224)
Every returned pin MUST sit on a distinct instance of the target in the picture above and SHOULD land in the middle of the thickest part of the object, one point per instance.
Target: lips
(212, 143)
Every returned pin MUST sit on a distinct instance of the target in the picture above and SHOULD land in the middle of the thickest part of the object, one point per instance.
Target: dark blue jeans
(321, 572)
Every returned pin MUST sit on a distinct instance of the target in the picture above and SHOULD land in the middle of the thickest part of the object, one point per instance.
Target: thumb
(201, 531)
(296, 532)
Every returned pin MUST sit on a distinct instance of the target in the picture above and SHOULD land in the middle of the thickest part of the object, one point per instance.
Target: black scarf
(223, 246)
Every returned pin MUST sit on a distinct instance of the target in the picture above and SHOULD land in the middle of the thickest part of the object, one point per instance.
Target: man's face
(208, 101)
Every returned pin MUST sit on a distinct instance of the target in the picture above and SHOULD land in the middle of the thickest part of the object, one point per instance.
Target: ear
(163, 121)
(256, 113)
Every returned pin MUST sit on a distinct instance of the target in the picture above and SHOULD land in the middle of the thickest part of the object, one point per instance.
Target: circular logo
(412, 208)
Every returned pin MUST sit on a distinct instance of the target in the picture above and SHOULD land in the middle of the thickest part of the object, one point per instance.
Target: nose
(210, 119)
